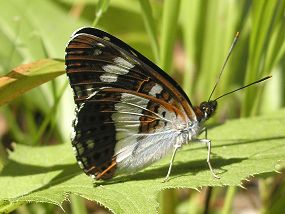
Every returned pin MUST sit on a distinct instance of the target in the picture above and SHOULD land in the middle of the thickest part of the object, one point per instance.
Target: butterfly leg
(208, 143)
(206, 132)
(176, 147)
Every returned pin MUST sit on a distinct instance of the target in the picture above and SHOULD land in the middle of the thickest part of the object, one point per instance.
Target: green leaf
(28, 76)
(240, 148)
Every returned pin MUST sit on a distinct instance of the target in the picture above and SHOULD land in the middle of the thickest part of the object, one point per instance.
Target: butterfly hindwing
(126, 110)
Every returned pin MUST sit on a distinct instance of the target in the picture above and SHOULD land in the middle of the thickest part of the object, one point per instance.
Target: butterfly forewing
(128, 109)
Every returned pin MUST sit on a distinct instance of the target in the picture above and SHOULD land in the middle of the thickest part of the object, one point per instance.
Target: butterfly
(129, 112)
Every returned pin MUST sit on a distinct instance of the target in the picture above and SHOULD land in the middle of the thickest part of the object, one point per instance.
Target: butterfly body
(129, 113)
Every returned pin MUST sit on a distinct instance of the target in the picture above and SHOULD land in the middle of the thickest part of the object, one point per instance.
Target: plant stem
(229, 200)
(77, 205)
(208, 199)
(168, 201)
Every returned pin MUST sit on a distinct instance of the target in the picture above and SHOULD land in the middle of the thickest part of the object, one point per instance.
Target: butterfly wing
(128, 109)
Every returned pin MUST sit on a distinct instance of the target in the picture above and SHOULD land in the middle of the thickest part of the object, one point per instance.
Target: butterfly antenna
(224, 65)
(255, 82)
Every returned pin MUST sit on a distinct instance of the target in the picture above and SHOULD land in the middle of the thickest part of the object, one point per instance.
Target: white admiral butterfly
(129, 112)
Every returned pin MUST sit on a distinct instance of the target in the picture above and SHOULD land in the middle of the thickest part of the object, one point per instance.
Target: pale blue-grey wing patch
(155, 90)
(107, 77)
(145, 150)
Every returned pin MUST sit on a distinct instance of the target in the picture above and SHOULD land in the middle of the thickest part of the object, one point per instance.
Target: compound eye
(203, 105)
(208, 111)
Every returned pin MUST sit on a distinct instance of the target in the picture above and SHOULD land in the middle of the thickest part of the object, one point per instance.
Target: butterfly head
(206, 110)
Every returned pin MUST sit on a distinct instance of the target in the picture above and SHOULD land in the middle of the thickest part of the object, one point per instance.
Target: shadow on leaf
(235, 142)
(179, 169)
(15, 169)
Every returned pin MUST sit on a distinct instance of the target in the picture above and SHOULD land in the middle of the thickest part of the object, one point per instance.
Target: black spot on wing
(95, 137)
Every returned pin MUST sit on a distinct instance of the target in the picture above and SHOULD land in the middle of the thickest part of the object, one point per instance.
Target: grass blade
(168, 33)
(150, 27)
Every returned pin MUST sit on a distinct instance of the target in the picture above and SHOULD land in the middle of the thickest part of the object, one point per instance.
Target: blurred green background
(189, 39)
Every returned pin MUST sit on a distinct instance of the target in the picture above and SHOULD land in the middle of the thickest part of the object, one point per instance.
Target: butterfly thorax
(203, 112)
